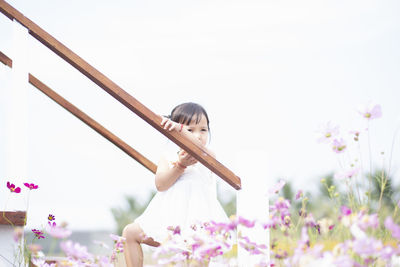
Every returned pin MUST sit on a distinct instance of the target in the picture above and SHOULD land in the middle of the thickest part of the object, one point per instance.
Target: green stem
(383, 186)
(4, 211)
(370, 166)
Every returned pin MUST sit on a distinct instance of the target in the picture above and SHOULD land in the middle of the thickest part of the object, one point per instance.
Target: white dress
(192, 199)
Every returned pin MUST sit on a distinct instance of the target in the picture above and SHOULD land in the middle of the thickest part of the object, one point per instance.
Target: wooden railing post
(252, 203)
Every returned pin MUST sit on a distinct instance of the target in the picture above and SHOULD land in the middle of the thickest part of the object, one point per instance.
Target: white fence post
(16, 137)
(252, 202)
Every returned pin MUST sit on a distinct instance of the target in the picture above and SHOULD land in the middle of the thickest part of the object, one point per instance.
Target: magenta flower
(370, 111)
(339, 145)
(31, 186)
(327, 132)
(51, 217)
(12, 188)
(345, 210)
(38, 233)
(277, 187)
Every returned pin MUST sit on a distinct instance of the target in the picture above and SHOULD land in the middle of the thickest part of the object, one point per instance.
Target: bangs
(188, 112)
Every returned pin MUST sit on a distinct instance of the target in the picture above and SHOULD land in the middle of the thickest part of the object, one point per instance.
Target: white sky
(268, 72)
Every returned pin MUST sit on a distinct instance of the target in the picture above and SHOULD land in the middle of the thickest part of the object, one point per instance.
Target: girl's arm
(166, 175)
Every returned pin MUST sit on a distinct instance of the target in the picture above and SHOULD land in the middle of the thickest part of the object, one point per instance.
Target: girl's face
(199, 130)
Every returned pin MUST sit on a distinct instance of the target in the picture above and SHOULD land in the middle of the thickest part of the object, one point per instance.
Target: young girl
(186, 189)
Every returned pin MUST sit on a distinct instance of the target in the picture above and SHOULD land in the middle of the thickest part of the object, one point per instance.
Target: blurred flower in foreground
(345, 210)
(18, 233)
(394, 228)
(75, 250)
(327, 132)
(56, 231)
(299, 194)
(12, 188)
(370, 111)
(347, 173)
(339, 145)
(277, 187)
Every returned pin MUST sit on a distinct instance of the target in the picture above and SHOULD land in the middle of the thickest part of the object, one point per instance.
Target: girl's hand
(171, 125)
(185, 159)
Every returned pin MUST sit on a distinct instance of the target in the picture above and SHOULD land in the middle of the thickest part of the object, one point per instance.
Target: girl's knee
(133, 232)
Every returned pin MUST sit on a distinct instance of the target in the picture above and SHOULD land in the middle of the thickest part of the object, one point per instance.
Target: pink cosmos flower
(356, 135)
(366, 221)
(56, 231)
(175, 230)
(327, 132)
(366, 247)
(309, 221)
(18, 233)
(75, 250)
(221, 227)
(31, 186)
(299, 194)
(245, 222)
(272, 223)
(252, 247)
(12, 188)
(370, 111)
(277, 187)
(117, 238)
(394, 228)
(339, 145)
(347, 174)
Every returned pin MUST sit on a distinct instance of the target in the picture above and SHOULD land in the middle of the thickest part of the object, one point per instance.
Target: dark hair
(186, 112)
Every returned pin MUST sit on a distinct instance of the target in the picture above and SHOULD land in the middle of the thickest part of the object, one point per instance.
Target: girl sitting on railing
(186, 189)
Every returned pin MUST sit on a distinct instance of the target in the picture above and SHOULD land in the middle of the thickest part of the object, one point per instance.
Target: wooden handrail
(122, 96)
(16, 218)
(5, 60)
(93, 124)
(87, 119)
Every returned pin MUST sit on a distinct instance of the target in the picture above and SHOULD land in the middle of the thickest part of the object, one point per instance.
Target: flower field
(358, 223)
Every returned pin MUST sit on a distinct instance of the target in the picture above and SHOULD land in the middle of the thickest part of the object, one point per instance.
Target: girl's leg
(133, 251)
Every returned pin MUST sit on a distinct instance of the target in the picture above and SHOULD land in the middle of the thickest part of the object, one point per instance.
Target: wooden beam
(16, 218)
(93, 124)
(119, 94)
(5, 60)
